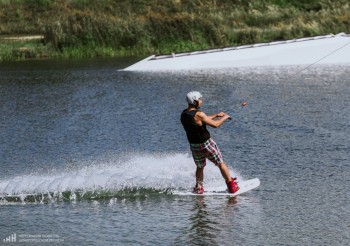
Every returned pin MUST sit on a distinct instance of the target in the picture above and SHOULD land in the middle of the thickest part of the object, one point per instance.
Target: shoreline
(85, 29)
(28, 47)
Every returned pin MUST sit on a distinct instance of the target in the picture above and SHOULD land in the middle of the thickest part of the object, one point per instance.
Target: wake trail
(159, 173)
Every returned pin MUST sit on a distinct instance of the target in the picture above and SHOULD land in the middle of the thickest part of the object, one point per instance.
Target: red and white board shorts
(207, 150)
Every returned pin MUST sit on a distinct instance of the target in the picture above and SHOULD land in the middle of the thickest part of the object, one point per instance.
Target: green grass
(20, 50)
(87, 28)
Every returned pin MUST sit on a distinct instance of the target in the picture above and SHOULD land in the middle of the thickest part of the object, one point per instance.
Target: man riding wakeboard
(202, 146)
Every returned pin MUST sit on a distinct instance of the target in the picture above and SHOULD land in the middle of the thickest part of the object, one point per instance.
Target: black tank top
(195, 134)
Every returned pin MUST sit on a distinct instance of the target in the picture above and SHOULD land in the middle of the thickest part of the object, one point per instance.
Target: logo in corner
(10, 239)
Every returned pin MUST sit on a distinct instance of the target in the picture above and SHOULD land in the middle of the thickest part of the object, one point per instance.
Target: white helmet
(193, 97)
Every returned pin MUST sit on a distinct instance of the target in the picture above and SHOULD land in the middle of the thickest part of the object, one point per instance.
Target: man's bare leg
(200, 174)
(225, 172)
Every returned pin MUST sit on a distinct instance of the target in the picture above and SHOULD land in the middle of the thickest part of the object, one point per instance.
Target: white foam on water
(160, 172)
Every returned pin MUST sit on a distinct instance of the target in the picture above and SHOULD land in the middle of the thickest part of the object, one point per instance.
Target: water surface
(90, 155)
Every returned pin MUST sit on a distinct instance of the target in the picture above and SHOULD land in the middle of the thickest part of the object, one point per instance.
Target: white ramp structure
(329, 49)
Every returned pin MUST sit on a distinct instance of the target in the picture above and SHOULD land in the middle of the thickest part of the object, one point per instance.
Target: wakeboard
(244, 186)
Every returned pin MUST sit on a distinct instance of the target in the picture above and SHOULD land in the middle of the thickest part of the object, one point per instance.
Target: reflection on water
(221, 221)
(204, 229)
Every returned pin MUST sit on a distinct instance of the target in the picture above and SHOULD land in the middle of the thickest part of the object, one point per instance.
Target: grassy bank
(87, 28)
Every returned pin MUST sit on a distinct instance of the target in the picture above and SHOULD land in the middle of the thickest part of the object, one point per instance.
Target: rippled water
(90, 155)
